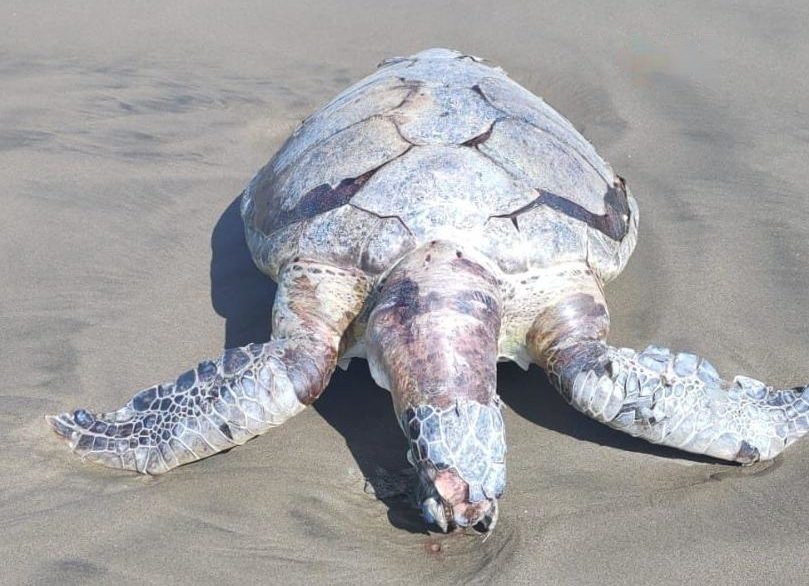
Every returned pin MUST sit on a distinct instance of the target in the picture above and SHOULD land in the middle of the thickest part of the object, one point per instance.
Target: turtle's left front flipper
(678, 400)
(227, 401)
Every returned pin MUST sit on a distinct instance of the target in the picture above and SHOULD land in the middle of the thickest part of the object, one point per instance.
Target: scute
(346, 236)
(350, 153)
(337, 236)
(534, 239)
(544, 162)
(357, 103)
(271, 251)
(552, 238)
(517, 102)
(438, 67)
(389, 242)
(443, 115)
(607, 257)
(500, 240)
(433, 188)
(313, 185)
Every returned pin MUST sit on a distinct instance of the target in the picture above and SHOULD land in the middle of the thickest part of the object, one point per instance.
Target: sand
(127, 132)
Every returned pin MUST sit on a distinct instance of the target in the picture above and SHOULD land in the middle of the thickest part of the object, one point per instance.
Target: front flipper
(677, 400)
(242, 394)
(216, 406)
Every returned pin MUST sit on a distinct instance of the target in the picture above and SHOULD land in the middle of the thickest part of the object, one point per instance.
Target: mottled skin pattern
(224, 403)
(432, 341)
(435, 218)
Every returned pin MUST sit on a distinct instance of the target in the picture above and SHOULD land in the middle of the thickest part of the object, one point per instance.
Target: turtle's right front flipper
(214, 407)
(225, 402)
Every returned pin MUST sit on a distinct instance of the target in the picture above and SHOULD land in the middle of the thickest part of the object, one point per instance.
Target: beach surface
(127, 132)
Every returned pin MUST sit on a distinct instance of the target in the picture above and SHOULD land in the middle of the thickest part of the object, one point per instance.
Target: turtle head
(445, 501)
(459, 453)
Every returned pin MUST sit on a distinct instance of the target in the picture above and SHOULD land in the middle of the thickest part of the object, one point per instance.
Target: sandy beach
(127, 132)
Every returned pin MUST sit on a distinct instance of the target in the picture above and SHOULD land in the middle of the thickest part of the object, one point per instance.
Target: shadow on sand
(359, 410)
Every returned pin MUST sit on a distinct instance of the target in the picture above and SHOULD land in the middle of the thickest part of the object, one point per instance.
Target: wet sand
(126, 134)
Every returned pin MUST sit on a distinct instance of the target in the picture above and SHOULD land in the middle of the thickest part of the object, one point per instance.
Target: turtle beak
(451, 510)
(437, 511)
(445, 501)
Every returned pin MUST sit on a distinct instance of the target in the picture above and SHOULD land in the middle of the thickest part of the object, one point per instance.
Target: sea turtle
(436, 218)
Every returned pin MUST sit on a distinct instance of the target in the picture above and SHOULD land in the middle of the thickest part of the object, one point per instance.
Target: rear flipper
(677, 400)
(224, 403)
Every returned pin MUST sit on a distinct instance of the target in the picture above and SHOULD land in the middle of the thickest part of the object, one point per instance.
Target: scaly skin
(677, 400)
(242, 394)
(218, 405)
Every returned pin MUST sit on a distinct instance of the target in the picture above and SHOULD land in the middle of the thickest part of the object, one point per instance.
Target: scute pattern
(359, 102)
(338, 227)
(518, 224)
(502, 241)
(438, 67)
(371, 144)
(382, 239)
(309, 187)
(390, 240)
(517, 102)
(442, 145)
(437, 187)
(607, 257)
(551, 239)
(468, 437)
(542, 161)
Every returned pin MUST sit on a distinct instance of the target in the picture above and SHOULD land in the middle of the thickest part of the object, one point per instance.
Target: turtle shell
(438, 145)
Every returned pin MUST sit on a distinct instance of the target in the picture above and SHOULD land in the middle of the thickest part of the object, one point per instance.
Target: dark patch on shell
(480, 138)
(319, 200)
(478, 91)
(613, 224)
